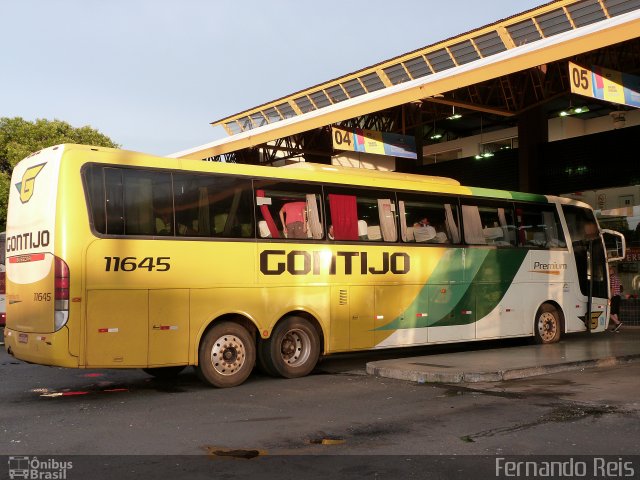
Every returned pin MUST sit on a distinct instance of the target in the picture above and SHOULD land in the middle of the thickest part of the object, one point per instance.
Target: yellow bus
(118, 259)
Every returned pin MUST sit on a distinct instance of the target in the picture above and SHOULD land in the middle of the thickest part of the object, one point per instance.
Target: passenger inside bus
(163, 223)
(293, 216)
(423, 231)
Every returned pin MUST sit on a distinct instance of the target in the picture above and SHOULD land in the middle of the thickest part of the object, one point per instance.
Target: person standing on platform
(616, 289)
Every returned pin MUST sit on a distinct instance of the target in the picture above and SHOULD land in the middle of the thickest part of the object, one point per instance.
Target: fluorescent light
(573, 111)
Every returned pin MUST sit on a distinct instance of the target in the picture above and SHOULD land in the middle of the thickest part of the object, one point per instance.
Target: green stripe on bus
(489, 192)
(518, 196)
(529, 197)
(459, 296)
(488, 287)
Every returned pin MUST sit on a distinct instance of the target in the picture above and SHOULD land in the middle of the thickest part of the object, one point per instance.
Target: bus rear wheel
(293, 349)
(226, 356)
(547, 328)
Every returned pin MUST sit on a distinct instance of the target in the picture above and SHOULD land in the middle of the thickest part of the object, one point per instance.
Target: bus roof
(363, 172)
(334, 174)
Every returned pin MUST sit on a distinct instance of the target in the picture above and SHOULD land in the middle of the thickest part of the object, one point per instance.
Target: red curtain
(266, 214)
(344, 216)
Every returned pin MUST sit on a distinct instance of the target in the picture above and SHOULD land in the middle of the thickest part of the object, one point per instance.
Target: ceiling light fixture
(454, 115)
(573, 111)
(484, 151)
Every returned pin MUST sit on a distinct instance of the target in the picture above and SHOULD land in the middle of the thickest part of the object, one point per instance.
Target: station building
(546, 101)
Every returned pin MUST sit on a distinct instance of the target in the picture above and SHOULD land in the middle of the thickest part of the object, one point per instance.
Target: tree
(19, 138)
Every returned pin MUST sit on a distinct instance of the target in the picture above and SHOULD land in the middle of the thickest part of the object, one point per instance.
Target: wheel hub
(547, 326)
(228, 355)
(288, 346)
(295, 347)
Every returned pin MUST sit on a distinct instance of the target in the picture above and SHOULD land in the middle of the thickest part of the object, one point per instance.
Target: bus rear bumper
(41, 348)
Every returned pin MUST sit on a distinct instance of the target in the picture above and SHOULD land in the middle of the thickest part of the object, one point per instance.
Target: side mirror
(615, 245)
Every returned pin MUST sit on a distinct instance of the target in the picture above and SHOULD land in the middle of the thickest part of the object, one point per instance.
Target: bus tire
(263, 360)
(293, 349)
(226, 355)
(547, 328)
(164, 373)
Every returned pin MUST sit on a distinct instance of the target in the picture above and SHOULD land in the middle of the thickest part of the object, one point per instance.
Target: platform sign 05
(605, 84)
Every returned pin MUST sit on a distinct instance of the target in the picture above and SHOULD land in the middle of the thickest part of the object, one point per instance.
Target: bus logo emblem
(25, 187)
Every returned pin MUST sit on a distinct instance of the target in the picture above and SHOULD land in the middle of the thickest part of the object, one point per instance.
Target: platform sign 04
(375, 142)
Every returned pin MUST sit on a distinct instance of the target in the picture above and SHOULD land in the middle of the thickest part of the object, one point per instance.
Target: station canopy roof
(554, 31)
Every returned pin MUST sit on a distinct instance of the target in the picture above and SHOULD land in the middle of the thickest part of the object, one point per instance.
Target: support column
(533, 133)
(319, 141)
(406, 165)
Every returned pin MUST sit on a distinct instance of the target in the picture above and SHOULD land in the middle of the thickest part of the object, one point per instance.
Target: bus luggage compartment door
(452, 312)
(117, 322)
(352, 320)
(168, 327)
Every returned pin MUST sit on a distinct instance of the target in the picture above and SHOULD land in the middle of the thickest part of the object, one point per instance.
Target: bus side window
(212, 206)
(94, 185)
(538, 226)
(128, 201)
(427, 219)
(114, 207)
(488, 223)
(286, 210)
(343, 216)
(362, 215)
(145, 193)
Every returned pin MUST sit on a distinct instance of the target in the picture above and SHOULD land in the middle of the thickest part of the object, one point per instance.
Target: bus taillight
(61, 314)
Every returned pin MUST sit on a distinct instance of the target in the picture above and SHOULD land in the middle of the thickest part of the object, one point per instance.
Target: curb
(417, 376)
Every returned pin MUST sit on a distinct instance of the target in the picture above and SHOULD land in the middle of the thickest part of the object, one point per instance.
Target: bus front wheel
(226, 355)
(548, 326)
(293, 349)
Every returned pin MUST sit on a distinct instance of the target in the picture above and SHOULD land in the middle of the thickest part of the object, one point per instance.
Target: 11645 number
(129, 264)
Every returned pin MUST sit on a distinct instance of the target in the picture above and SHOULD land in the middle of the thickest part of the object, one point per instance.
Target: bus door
(592, 288)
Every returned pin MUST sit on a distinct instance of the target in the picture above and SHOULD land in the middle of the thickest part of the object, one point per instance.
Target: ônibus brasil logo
(25, 187)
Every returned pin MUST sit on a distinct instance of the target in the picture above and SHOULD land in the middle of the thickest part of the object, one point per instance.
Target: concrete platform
(574, 352)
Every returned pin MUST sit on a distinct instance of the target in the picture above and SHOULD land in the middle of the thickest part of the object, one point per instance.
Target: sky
(153, 74)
